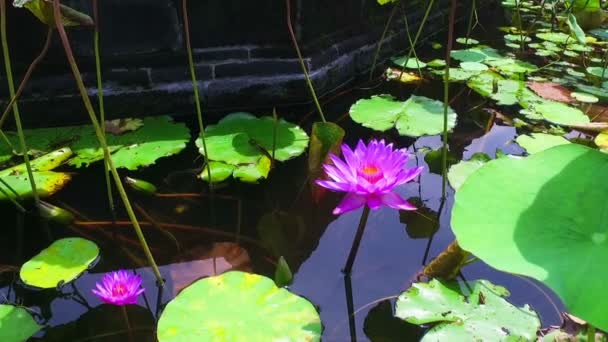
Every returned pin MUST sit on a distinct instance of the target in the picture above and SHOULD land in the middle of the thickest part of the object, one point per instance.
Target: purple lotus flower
(369, 175)
(119, 288)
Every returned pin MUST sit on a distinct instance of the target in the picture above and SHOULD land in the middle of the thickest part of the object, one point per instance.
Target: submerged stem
(17, 115)
(102, 140)
(304, 69)
(357, 241)
(197, 101)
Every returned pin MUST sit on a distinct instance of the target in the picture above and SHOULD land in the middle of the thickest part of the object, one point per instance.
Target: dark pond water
(203, 235)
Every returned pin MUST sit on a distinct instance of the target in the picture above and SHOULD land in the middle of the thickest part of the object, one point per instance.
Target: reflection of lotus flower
(369, 175)
(119, 288)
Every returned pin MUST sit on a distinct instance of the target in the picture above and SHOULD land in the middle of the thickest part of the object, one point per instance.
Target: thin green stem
(446, 96)
(102, 140)
(409, 38)
(11, 199)
(357, 241)
(419, 32)
(471, 17)
(381, 42)
(102, 112)
(11, 89)
(301, 59)
(197, 101)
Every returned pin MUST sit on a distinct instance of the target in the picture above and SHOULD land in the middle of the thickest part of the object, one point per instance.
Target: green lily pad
(238, 306)
(242, 138)
(467, 41)
(16, 324)
(460, 172)
(537, 142)
(584, 97)
(547, 214)
(601, 140)
(476, 54)
(62, 262)
(505, 92)
(484, 316)
(415, 117)
(598, 71)
(555, 37)
(458, 74)
(559, 113)
(158, 137)
(411, 63)
(600, 93)
(512, 66)
(473, 66)
(436, 63)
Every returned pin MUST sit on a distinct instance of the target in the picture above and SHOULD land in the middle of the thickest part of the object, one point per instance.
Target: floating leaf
(402, 76)
(559, 113)
(16, 324)
(473, 66)
(409, 63)
(476, 54)
(158, 137)
(238, 306)
(598, 71)
(555, 37)
(484, 316)
(219, 171)
(63, 261)
(537, 142)
(601, 140)
(467, 41)
(243, 140)
(460, 172)
(551, 91)
(326, 138)
(547, 214)
(436, 63)
(584, 97)
(47, 182)
(43, 10)
(512, 66)
(415, 117)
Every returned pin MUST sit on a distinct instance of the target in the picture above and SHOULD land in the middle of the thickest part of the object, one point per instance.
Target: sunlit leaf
(16, 324)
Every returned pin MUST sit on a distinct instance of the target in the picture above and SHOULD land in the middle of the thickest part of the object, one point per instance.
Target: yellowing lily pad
(238, 306)
(62, 262)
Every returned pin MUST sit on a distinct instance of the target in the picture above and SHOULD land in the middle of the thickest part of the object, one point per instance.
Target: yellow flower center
(371, 172)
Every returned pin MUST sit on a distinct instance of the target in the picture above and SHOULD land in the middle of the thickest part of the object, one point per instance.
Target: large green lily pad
(484, 316)
(63, 261)
(158, 137)
(238, 306)
(47, 182)
(544, 216)
(16, 324)
(559, 113)
(415, 117)
(246, 142)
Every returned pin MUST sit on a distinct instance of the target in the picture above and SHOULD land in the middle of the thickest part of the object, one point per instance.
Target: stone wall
(243, 54)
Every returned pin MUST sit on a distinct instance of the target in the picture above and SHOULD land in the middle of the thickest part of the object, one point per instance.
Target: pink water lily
(369, 176)
(119, 288)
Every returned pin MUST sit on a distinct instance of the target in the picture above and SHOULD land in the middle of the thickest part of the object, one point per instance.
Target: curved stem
(446, 95)
(418, 33)
(11, 89)
(102, 140)
(381, 42)
(197, 101)
(27, 75)
(358, 236)
(304, 69)
(102, 113)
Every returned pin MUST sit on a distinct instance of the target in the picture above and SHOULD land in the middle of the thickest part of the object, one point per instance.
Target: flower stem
(446, 97)
(102, 113)
(127, 323)
(102, 140)
(304, 70)
(197, 101)
(355, 247)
